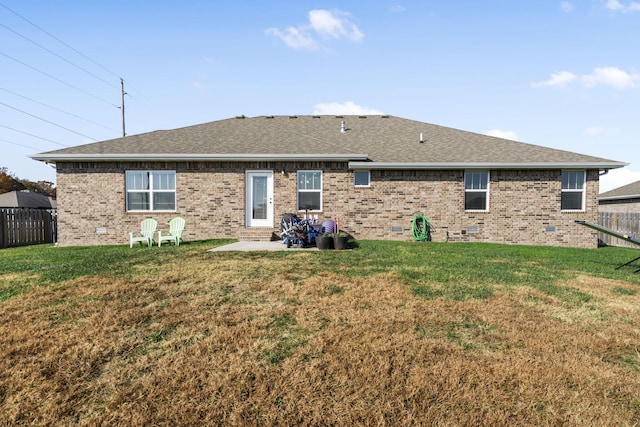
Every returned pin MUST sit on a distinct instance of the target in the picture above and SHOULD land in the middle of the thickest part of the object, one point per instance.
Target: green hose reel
(420, 228)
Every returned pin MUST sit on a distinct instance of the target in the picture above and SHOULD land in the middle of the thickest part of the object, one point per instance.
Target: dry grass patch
(260, 341)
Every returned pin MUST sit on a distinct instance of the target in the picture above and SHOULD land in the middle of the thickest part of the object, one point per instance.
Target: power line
(58, 109)
(58, 56)
(58, 80)
(35, 136)
(60, 41)
(21, 145)
(46, 121)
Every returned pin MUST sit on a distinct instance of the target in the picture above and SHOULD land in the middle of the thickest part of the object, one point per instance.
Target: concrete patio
(258, 246)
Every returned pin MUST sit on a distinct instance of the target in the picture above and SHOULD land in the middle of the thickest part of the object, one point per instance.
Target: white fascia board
(631, 196)
(52, 158)
(488, 165)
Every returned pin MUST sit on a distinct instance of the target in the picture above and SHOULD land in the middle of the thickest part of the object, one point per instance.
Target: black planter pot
(341, 243)
(324, 242)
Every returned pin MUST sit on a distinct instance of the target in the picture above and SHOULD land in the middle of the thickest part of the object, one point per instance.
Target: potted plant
(341, 240)
(324, 241)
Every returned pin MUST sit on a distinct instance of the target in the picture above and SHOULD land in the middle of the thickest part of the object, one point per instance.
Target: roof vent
(362, 117)
(240, 117)
(384, 117)
(421, 138)
(293, 117)
(343, 128)
(269, 117)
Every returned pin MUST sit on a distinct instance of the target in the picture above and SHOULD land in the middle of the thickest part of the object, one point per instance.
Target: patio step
(258, 234)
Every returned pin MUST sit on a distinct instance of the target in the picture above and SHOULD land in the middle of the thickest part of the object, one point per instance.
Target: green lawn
(473, 268)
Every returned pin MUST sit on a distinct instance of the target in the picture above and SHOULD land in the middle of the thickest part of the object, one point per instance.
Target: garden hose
(420, 228)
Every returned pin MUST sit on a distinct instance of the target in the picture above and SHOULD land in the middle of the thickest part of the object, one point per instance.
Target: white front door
(259, 204)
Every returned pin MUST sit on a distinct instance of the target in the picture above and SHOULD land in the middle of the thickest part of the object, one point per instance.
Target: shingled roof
(629, 191)
(26, 199)
(365, 141)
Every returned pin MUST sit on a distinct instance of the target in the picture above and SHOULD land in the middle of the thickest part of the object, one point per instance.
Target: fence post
(3, 228)
(46, 218)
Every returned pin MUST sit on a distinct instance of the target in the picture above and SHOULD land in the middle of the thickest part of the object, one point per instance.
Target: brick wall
(524, 206)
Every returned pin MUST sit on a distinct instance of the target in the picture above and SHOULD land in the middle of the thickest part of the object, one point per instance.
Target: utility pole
(122, 94)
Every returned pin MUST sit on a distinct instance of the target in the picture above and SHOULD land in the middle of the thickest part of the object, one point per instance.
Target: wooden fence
(624, 223)
(26, 226)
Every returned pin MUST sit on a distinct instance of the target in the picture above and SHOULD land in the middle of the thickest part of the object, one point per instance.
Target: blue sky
(562, 74)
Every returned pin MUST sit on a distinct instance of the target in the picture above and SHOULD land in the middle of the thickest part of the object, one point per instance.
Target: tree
(8, 182)
(41, 187)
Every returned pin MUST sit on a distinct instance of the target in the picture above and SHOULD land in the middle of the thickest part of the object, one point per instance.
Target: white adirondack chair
(174, 234)
(147, 230)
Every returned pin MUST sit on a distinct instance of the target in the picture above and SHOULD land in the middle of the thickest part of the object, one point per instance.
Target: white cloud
(610, 76)
(560, 79)
(334, 24)
(614, 5)
(346, 108)
(398, 8)
(567, 6)
(294, 37)
(504, 134)
(617, 6)
(325, 24)
(617, 178)
(593, 131)
(602, 76)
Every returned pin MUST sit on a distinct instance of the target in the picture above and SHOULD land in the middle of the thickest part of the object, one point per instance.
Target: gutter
(53, 158)
(486, 165)
(612, 198)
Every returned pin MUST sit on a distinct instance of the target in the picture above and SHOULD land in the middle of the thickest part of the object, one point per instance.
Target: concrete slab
(258, 246)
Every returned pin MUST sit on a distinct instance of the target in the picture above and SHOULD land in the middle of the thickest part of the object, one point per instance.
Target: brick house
(234, 178)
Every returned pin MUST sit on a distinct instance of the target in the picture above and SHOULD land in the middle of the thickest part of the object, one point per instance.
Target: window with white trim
(476, 190)
(572, 197)
(310, 190)
(150, 190)
(361, 178)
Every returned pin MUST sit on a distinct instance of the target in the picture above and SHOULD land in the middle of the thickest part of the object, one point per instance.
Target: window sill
(149, 212)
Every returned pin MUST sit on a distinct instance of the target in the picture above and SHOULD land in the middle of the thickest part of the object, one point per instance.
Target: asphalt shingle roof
(26, 199)
(386, 139)
(626, 191)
